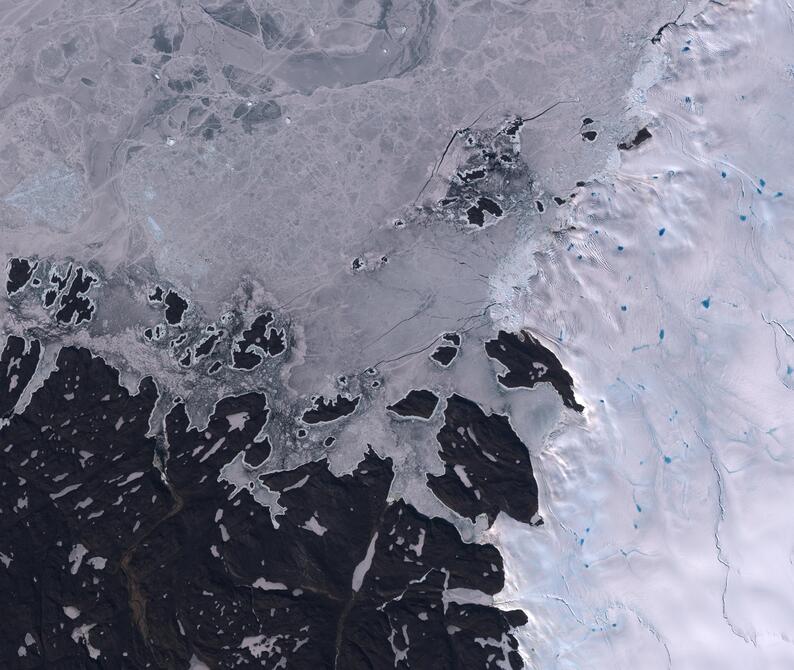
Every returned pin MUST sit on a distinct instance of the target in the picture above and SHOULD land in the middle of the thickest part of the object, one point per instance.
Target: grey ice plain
(204, 142)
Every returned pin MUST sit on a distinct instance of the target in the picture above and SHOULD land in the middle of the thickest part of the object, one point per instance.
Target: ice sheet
(667, 540)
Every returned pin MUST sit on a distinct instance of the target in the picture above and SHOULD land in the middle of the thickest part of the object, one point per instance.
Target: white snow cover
(76, 556)
(266, 585)
(668, 539)
(196, 664)
(315, 526)
(363, 567)
(81, 635)
(71, 611)
(237, 420)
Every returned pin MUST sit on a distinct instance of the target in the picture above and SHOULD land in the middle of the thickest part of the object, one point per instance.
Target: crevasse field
(668, 541)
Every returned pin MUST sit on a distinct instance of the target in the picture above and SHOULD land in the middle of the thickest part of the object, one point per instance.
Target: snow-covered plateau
(668, 540)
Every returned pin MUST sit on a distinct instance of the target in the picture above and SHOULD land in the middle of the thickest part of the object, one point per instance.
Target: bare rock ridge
(121, 533)
(529, 363)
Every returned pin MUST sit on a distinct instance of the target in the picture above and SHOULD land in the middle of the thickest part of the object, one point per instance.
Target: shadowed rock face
(20, 270)
(112, 561)
(63, 290)
(258, 341)
(75, 307)
(420, 404)
(643, 134)
(447, 351)
(486, 466)
(325, 411)
(444, 355)
(529, 363)
(176, 306)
